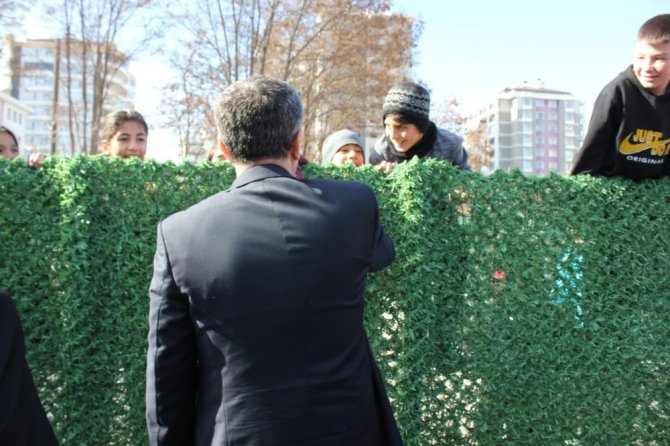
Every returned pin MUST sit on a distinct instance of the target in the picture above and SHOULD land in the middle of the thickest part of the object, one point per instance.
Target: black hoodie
(629, 132)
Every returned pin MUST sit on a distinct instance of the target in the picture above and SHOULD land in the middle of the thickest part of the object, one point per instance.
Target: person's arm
(23, 420)
(450, 148)
(171, 358)
(377, 153)
(461, 158)
(600, 140)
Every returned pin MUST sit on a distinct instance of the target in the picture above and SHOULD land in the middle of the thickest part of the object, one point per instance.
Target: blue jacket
(447, 147)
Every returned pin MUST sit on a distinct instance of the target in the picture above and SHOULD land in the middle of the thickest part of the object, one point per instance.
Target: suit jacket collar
(258, 173)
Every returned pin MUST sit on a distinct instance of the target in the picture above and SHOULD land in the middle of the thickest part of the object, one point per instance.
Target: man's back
(268, 289)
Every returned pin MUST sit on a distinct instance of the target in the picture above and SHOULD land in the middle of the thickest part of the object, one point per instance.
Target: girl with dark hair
(124, 134)
(9, 145)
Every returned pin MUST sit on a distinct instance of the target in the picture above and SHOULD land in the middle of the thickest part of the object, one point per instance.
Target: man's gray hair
(258, 118)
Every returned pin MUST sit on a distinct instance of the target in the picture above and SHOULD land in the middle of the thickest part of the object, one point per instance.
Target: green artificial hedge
(519, 310)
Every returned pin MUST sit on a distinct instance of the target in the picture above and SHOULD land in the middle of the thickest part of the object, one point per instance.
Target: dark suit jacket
(23, 421)
(256, 317)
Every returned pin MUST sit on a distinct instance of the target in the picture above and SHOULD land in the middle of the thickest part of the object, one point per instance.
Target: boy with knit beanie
(409, 132)
(342, 147)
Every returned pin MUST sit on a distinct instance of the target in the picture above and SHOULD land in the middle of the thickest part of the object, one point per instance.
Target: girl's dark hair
(400, 119)
(4, 129)
(114, 120)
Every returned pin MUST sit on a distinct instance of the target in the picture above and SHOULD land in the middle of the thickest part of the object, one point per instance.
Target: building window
(552, 104)
(539, 128)
(539, 116)
(539, 140)
(539, 102)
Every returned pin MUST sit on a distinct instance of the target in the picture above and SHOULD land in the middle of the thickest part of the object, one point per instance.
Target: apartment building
(533, 129)
(56, 83)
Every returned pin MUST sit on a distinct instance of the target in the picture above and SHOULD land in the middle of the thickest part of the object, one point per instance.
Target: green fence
(520, 310)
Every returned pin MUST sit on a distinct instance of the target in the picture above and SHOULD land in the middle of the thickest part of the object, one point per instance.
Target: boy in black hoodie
(629, 132)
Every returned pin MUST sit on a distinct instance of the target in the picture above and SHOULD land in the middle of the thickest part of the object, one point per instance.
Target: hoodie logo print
(645, 140)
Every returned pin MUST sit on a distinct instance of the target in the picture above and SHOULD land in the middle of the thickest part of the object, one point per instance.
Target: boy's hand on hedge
(35, 160)
(385, 167)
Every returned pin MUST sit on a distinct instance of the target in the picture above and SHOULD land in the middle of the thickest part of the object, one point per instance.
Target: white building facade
(36, 73)
(532, 129)
(13, 115)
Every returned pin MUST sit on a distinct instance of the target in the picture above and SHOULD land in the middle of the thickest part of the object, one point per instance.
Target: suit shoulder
(344, 186)
(10, 315)
(354, 193)
(6, 303)
(195, 210)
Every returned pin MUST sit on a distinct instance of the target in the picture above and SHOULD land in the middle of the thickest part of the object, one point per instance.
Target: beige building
(59, 94)
(533, 129)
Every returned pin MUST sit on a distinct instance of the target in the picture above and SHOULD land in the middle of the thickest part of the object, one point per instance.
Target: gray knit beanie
(410, 100)
(338, 139)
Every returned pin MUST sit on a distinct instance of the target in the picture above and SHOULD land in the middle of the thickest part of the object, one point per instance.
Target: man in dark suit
(23, 421)
(256, 332)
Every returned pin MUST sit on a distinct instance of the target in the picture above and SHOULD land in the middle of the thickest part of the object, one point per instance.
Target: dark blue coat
(23, 421)
(256, 317)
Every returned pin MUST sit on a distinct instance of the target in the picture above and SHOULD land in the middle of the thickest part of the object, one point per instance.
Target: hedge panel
(520, 310)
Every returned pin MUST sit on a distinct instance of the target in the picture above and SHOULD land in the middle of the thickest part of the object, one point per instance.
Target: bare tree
(479, 147)
(10, 10)
(187, 111)
(334, 52)
(10, 13)
(92, 60)
(448, 114)
(353, 71)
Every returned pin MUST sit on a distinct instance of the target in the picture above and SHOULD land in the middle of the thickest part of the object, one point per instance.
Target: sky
(472, 50)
